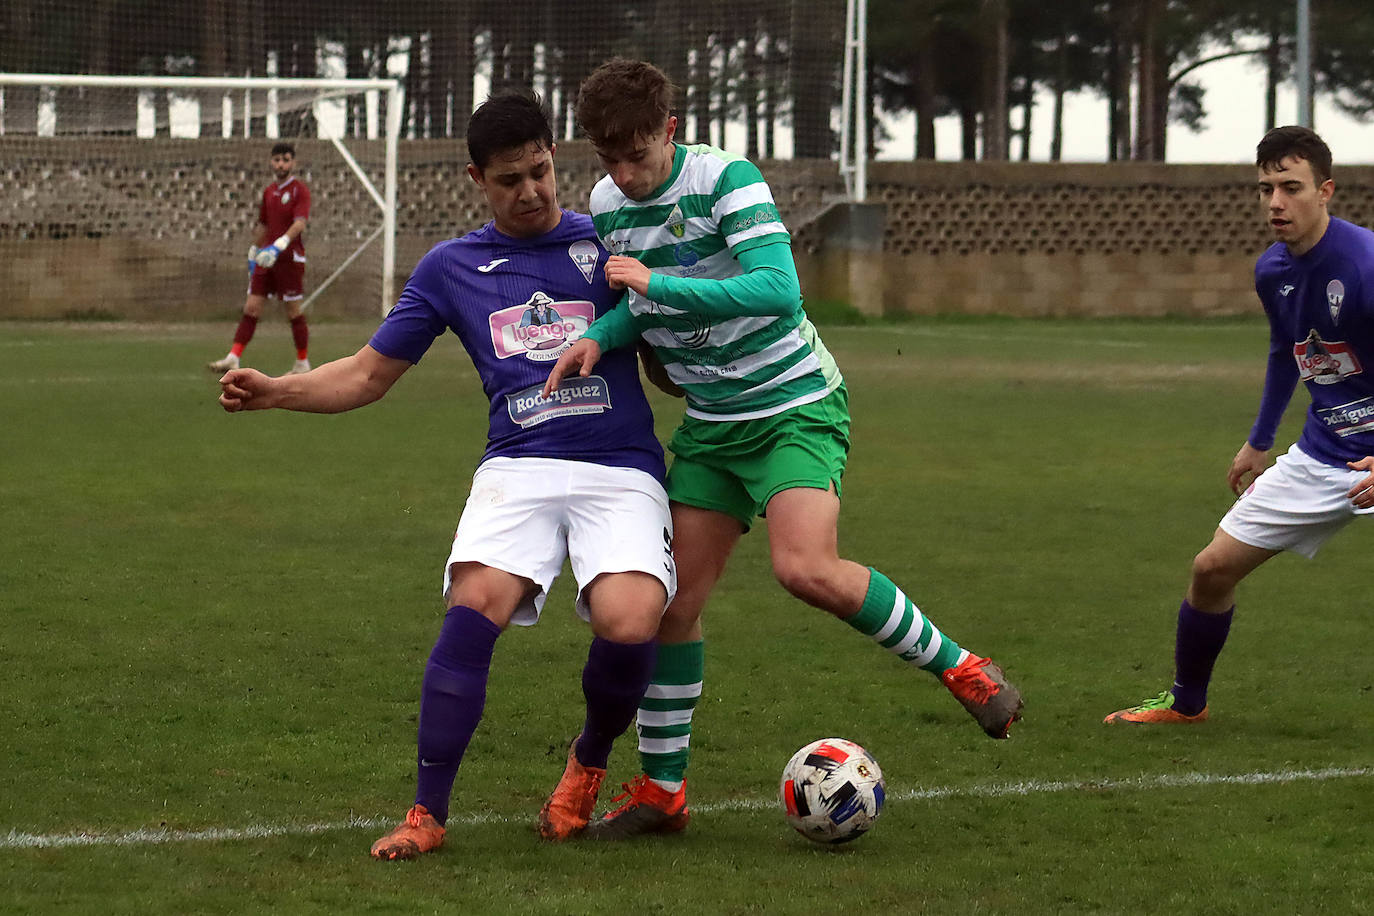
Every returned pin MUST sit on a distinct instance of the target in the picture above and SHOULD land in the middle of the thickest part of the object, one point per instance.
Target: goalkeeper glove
(266, 257)
(252, 258)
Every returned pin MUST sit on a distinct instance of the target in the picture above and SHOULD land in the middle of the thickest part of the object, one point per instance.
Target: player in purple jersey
(1316, 283)
(575, 475)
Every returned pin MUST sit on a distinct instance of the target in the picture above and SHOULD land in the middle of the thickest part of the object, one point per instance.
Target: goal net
(137, 197)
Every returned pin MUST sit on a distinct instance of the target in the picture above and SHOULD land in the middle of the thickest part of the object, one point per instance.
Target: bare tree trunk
(449, 38)
(1119, 127)
(213, 61)
(749, 91)
(20, 46)
(924, 90)
(214, 47)
(1272, 65)
(720, 105)
(994, 82)
(772, 74)
(1163, 90)
(1145, 82)
(1061, 79)
(812, 74)
(667, 49)
(697, 91)
(1027, 107)
(257, 40)
(1152, 115)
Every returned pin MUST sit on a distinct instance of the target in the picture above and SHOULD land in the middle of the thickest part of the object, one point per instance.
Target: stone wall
(141, 229)
(1139, 239)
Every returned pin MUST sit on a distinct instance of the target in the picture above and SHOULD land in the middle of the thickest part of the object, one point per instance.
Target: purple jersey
(516, 304)
(1321, 331)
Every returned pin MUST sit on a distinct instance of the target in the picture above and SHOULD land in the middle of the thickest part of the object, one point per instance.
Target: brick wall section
(147, 229)
(1140, 239)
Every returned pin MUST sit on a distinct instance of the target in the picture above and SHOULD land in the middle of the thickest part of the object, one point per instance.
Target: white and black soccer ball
(832, 791)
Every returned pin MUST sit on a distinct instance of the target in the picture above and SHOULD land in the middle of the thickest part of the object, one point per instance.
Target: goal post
(140, 174)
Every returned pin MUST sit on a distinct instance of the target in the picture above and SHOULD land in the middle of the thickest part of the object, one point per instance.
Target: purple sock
(452, 696)
(613, 682)
(1197, 644)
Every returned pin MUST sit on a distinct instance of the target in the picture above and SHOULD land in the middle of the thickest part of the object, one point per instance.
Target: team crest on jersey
(584, 255)
(539, 328)
(1335, 295)
(1325, 362)
(286, 197)
(676, 223)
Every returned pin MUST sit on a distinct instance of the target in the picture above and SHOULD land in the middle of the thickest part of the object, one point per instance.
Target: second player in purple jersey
(516, 304)
(1316, 283)
(1321, 317)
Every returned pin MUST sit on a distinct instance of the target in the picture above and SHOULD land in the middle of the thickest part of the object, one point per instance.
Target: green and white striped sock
(664, 722)
(890, 619)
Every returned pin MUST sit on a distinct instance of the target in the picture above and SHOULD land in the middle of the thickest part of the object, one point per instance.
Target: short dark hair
(623, 100)
(283, 147)
(507, 119)
(1299, 142)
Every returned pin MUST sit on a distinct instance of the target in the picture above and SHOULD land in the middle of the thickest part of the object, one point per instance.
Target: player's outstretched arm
(1362, 494)
(580, 358)
(334, 387)
(1248, 464)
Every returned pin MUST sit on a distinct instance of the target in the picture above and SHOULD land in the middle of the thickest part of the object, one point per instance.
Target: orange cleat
(982, 688)
(647, 808)
(418, 833)
(568, 809)
(1157, 711)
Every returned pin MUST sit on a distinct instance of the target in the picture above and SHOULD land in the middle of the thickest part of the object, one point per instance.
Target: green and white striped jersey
(732, 363)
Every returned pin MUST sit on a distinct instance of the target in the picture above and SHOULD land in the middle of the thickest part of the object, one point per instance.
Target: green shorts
(737, 466)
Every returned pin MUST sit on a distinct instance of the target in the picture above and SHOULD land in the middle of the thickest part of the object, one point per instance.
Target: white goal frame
(325, 88)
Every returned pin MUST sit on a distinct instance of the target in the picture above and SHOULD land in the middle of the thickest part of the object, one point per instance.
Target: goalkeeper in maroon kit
(276, 261)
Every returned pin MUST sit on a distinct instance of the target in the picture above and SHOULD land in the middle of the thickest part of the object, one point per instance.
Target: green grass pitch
(212, 630)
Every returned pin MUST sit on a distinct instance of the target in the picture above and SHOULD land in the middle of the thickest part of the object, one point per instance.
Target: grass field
(212, 630)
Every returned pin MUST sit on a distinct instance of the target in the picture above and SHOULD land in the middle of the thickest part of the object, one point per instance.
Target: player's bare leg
(803, 544)
(1204, 622)
(656, 800)
(1219, 568)
(803, 541)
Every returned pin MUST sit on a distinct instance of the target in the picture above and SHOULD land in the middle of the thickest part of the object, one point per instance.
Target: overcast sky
(1234, 124)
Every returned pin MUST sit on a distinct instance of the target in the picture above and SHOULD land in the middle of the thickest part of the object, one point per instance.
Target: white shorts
(1297, 505)
(526, 515)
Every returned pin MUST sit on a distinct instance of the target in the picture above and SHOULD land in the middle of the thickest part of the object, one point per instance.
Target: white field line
(149, 837)
(109, 379)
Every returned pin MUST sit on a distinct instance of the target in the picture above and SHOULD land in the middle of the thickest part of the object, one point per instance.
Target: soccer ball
(832, 791)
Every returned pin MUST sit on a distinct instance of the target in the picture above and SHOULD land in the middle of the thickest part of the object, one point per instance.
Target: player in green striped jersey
(697, 243)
